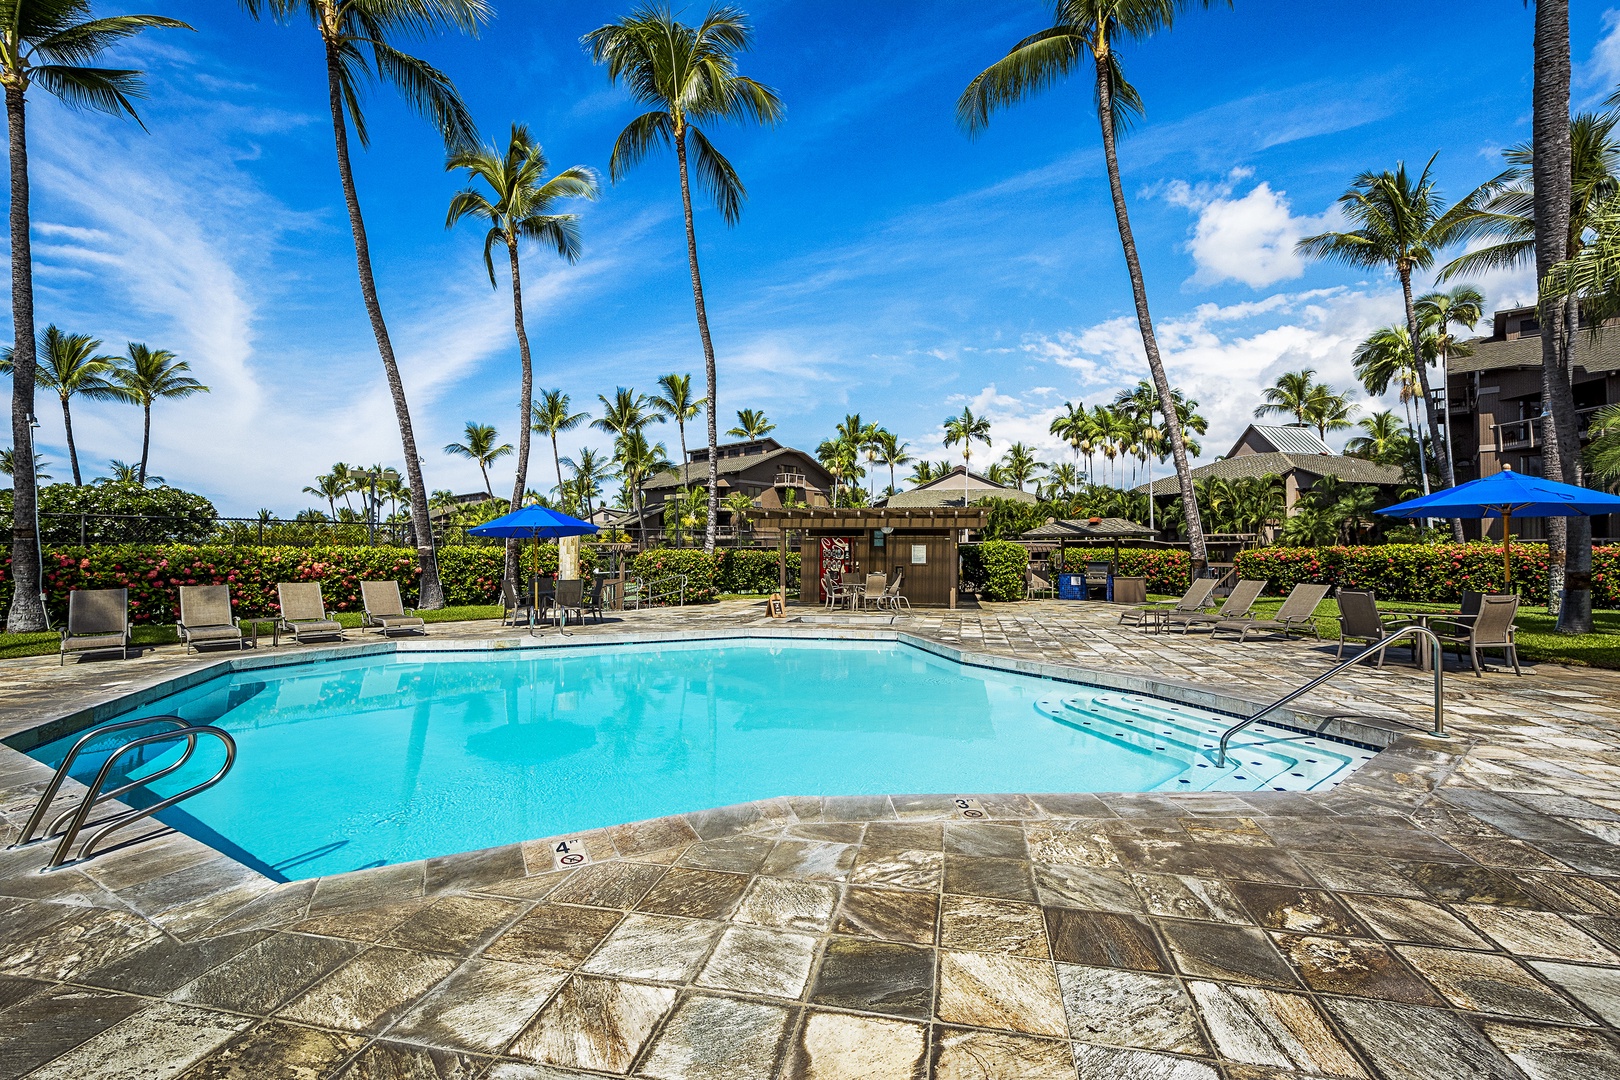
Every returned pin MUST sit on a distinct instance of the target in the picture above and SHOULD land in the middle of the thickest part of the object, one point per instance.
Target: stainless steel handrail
(95, 795)
(1439, 731)
(55, 785)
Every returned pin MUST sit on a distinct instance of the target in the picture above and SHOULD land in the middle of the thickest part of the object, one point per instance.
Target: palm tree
(1386, 357)
(481, 447)
(675, 403)
(8, 464)
(551, 417)
(688, 75)
(892, 452)
(1020, 464)
(966, 429)
(1438, 312)
(327, 487)
(627, 412)
(1382, 440)
(637, 460)
(122, 472)
(926, 472)
(1603, 453)
(1328, 410)
(1064, 477)
(49, 44)
(1071, 426)
(1400, 225)
(841, 458)
(355, 42)
(521, 210)
(751, 424)
(589, 470)
(70, 368)
(1289, 395)
(1095, 28)
(147, 375)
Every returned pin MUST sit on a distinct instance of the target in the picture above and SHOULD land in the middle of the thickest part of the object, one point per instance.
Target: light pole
(39, 541)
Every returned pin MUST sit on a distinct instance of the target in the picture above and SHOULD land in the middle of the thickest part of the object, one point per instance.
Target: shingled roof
(1601, 354)
(697, 472)
(1088, 529)
(1350, 470)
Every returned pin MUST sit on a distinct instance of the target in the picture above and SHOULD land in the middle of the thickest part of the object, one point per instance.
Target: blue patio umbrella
(535, 523)
(1506, 495)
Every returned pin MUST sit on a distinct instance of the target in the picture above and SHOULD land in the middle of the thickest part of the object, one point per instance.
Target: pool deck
(1451, 910)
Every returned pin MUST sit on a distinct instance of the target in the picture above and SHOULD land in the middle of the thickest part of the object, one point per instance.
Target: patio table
(1422, 618)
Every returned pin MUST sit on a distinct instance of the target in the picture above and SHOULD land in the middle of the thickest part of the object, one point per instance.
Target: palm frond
(428, 91)
(107, 90)
(80, 43)
(557, 231)
(1032, 66)
(637, 139)
(716, 176)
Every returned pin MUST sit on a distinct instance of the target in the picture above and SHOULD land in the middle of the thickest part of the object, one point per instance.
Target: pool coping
(1377, 733)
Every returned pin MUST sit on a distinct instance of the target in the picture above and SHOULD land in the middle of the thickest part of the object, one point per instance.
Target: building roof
(1288, 439)
(1088, 529)
(1350, 470)
(873, 517)
(698, 471)
(940, 492)
(1602, 354)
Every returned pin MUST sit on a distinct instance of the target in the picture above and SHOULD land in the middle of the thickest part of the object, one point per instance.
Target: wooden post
(955, 569)
(781, 564)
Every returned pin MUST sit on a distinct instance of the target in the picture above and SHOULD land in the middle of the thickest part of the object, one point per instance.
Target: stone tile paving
(1453, 909)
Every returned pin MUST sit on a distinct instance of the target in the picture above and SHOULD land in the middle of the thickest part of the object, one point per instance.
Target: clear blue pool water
(374, 760)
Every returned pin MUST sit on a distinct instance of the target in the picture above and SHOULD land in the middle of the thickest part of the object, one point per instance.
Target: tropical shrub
(750, 570)
(702, 570)
(1425, 573)
(110, 512)
(1002, 569)
(153, 574)
(1007, 519)
(1166, 571)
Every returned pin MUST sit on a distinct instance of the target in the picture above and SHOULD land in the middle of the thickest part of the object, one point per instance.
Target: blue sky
(885, 263)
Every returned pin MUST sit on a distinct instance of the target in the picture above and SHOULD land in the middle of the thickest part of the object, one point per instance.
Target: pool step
(1260, 758)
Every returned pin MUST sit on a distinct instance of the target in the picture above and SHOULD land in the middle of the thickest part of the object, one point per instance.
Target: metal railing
(1439, 731)
(664, 589)
(72, 821)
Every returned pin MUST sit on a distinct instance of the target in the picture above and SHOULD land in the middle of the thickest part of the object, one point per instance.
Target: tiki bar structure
(918, 543)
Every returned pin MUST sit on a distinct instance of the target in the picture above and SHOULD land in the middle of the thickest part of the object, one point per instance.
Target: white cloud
(1600, 74)
(1248, 238)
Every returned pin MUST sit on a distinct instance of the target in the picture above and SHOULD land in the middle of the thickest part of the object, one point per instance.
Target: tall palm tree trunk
(1569, 540)
(73, 451)
(525, 406)
(146, 440)
(430, 595)
(1144, 320)
(26, 613)
(556, 459)
(1442, 453)
(708, 345)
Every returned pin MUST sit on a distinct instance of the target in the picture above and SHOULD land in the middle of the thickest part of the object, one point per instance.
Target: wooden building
(920, 544)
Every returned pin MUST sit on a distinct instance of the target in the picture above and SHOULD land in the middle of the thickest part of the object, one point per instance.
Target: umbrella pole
(534, 579)
(1507, 546)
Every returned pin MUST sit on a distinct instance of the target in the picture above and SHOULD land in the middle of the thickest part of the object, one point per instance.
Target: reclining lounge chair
(303, 613)
(1297, 615)
(386, 611)
(205, 617)
(98, 621)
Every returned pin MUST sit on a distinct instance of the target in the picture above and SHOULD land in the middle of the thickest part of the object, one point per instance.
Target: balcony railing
(790, 478)
(1526, 435)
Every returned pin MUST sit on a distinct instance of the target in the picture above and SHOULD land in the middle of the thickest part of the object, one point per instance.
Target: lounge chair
(1237, 606)
(205, 617)
(1491, 629)
(1194, 600)
(1361, 621)
(98, 621)
(303, 614)
(1297, 614)
(386, 611)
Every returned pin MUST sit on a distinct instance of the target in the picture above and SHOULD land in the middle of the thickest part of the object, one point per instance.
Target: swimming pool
(369, 760)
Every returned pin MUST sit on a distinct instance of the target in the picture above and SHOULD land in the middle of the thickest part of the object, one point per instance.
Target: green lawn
(1536, 635)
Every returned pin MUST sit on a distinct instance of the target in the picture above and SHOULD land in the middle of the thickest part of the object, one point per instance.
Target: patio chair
(386, 611)
(98, 621)
(1038, 584)
(205, 618)
(837, 592)
(1361, 621)
(1195, 599)
(303, 613)
(594, 605)
(876, 586)
(1492, 629)
(1298, 613)
(515, 607)
(1237, 606)
(570, 599)
(891, 598)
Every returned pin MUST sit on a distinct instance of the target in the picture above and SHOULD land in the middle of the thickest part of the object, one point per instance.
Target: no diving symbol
(971, 809)
(569, 853)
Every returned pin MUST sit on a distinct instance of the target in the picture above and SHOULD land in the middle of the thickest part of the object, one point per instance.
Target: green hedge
(1425, 573)
(119, 513)
(700, 567)
(1004, 567)
(750, 570)
(153, 573)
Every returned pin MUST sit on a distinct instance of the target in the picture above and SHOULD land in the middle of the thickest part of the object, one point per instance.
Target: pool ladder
(73, 820)
(1413, 632)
